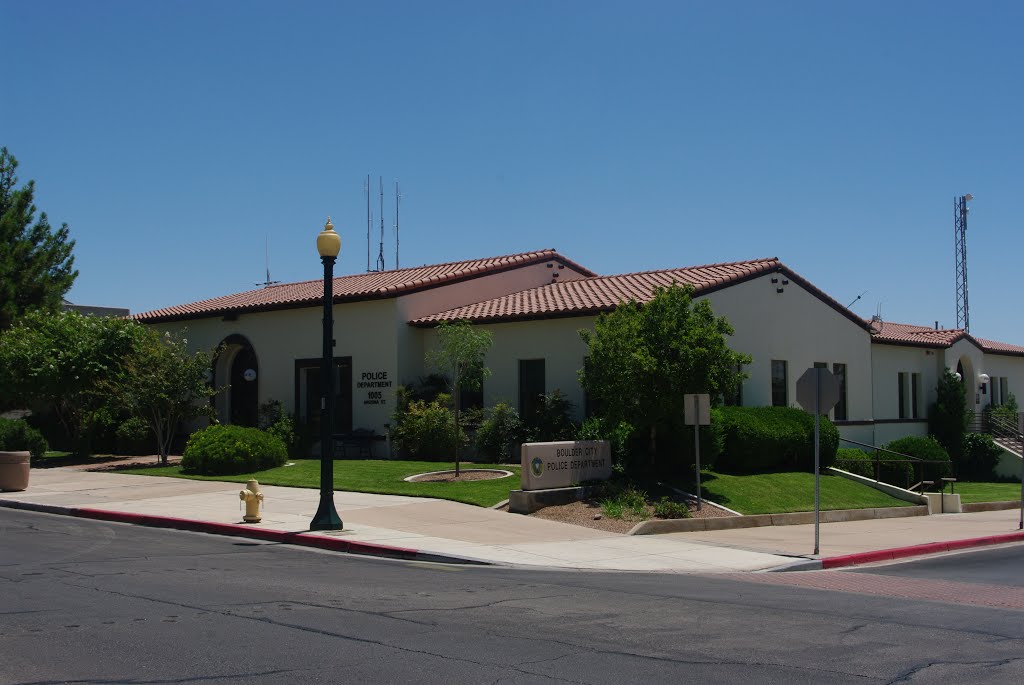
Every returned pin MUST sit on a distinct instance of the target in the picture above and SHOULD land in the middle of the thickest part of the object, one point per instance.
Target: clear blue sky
(175, 137)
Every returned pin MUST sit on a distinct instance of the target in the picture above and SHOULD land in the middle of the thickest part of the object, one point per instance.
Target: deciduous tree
(459, 355)
(643, 357)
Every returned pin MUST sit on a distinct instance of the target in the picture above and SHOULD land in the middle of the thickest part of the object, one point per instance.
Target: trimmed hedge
(18, 436)
(755, 439)
(232, 450)
(863, 464)
(923, 448)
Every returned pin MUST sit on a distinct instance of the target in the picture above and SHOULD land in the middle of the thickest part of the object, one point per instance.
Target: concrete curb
(918, 550)
(662, 526)
(971, 507)
(304, 539)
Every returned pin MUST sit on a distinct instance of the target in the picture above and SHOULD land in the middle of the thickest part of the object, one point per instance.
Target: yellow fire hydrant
(252, 498)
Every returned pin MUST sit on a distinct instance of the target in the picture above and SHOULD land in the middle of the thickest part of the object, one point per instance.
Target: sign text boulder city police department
(565, 464)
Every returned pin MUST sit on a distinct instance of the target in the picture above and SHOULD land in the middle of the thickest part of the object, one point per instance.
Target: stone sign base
(529, 501)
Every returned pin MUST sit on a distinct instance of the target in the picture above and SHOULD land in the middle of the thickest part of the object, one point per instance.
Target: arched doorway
(237, 371)
(965, 368)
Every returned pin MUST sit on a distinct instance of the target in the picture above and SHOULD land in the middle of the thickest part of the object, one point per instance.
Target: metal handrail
(906, 459)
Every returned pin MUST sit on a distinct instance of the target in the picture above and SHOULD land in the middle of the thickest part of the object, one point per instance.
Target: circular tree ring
(464, 475)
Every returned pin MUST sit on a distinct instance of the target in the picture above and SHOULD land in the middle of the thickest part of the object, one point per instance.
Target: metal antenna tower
(380, 257)
(369, 220)
(398, 199)
(963, 316)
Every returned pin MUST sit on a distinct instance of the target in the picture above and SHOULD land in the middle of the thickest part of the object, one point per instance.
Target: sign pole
(696, 448)
(817, 465)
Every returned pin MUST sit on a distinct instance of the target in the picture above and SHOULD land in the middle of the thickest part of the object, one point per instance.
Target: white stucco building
(534, 304)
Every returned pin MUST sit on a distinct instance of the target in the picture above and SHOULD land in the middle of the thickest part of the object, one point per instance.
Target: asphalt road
(90, 602)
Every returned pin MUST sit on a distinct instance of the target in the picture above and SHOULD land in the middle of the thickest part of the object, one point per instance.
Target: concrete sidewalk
(440, 528)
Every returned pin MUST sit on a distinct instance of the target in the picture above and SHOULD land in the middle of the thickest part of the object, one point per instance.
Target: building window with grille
(915, 395)
(780, 383)
(901, 378)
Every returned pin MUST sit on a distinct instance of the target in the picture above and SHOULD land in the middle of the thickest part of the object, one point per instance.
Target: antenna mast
(398, 198)
(380, 257)
(963, 317)
(369, 220)
(266, 256)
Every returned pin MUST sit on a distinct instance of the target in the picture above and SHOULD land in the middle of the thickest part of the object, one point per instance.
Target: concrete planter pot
(14, 471)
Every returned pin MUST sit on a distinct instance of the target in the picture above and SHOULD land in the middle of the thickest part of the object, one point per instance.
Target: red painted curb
(918, 550)
(303, 539)
(237, 530)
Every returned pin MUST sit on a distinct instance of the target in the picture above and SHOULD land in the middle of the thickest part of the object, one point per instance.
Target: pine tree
(35, 259)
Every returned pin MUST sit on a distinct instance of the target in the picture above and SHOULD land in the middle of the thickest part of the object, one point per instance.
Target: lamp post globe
(328, 244)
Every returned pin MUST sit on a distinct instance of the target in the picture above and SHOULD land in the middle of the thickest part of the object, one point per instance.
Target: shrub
(863, 464)
(230, 450)
(425, 430)
(669, 509)
(771, 439)
(947, 418)
(620, 500)
(18, 436)
(551, 420)
(596, 428)
(274, 420)
(499, 433)
(855, 461)
(923, 448)
(979, 459)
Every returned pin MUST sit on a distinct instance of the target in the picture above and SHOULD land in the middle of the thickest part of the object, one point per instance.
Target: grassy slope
(384, 477)
(988, 492)
(774, 493)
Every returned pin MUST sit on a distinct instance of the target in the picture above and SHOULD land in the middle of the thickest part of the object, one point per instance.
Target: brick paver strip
(997, 596)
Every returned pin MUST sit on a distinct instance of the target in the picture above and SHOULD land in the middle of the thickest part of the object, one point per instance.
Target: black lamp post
(328, 244)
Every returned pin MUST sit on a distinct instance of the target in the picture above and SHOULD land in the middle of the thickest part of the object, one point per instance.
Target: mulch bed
(466, 475)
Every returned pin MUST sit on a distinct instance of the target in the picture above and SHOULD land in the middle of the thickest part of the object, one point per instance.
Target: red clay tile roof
(366, 286)
(590, 296)
(997, 347)
(923, 336)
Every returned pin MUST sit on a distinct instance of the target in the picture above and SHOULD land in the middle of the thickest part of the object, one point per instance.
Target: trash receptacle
(14, 470)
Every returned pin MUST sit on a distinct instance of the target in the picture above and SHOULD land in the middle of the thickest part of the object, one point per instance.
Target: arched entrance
(237, 370)
(965, 368)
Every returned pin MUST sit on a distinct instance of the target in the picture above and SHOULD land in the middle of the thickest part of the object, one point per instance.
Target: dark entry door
(244, 393)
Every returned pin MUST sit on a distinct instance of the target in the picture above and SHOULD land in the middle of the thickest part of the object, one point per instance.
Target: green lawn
(377, 476)
(777, 493)
(988, 492)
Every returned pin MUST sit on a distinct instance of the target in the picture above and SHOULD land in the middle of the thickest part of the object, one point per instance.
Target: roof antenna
(398, 199)
(857, 298)
(380, 257)
(266, 255)
(369, 220)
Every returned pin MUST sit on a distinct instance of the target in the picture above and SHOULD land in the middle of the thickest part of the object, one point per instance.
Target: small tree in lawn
(164, 384)
(460, 356)
(643, 358)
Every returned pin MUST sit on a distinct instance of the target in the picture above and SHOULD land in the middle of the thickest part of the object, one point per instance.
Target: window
(780, 383)
(915, 395)
(902, 396)
(1004, 391)
(308, 393)
(820, 365)
(531, 386)
(839, 371)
